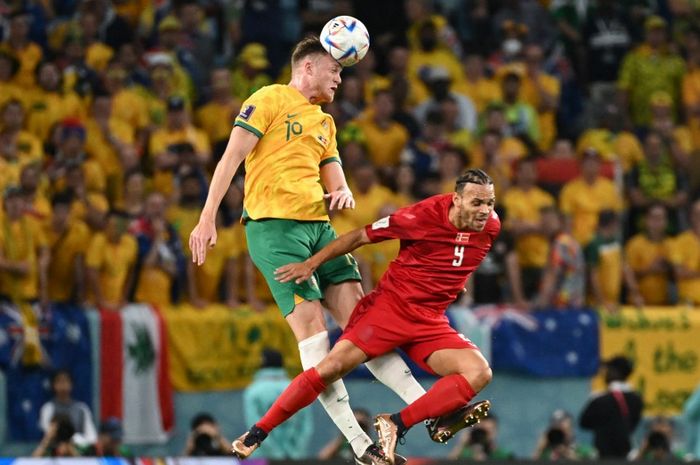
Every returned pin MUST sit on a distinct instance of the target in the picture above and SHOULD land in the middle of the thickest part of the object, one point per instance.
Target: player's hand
(203, 237)
(299, 272)
(340, 199)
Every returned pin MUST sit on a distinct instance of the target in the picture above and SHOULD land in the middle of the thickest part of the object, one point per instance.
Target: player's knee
(478, 375)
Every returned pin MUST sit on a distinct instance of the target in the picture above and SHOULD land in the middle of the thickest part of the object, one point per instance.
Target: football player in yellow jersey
(290, 154)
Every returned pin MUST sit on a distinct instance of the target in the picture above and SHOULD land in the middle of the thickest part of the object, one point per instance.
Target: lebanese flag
(134, 381)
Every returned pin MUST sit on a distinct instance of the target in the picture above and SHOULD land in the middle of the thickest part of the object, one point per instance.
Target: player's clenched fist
(299, 272)
(203, 237)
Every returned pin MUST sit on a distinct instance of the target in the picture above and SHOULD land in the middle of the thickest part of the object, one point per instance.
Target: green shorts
(276, 242)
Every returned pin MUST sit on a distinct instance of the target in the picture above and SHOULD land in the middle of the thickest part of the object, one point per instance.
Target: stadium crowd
(586, 114)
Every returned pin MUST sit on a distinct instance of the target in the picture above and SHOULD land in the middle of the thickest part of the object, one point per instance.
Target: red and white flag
(135, 386)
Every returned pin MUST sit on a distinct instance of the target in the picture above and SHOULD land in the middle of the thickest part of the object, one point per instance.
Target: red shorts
(380, 324)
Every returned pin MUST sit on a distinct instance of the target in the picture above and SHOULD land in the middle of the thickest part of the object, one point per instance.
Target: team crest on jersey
(462, 238)
(322, 140)
(324, 124)
(247, 112)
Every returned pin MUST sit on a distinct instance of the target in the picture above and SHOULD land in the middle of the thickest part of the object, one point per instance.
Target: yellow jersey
(532, 249)
(640, 253)
(20, 241)
(112, 261)
(296, 138)
(685, 251)
(583, 202)
(65, 248)
(208, 276)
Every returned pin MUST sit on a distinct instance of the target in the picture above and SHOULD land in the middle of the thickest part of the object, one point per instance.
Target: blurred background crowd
(586, 113)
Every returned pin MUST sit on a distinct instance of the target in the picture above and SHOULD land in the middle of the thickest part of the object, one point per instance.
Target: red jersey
(435, 258)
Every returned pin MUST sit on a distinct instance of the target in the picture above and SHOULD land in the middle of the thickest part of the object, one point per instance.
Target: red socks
(447, 395)
(303, 390)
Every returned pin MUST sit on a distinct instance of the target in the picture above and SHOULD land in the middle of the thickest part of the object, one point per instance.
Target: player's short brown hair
(474, 176)
(309, 45)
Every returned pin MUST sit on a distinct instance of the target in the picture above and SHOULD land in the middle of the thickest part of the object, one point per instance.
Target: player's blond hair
(309, 45)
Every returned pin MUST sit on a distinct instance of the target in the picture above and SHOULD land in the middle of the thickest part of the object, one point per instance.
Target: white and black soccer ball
(346, 39)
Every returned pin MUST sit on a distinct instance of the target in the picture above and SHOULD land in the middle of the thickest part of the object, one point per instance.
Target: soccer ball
(346, 39)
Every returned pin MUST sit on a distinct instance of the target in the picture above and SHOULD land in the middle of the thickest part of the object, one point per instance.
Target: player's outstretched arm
(300, 272)
(339, 193)
(240, 144)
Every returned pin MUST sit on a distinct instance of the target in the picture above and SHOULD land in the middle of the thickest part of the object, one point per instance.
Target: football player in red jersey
(443, 240)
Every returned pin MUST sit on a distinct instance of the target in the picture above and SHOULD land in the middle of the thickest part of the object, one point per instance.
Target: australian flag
(556, 343)
(65, 344)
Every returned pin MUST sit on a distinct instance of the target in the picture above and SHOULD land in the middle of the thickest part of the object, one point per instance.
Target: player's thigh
(343, 358)
(468, 362)
(273, 243)
(340, 269)
(341, 299)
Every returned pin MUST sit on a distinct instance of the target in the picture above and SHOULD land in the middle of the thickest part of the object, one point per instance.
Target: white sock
(335, 398)
(392, 371)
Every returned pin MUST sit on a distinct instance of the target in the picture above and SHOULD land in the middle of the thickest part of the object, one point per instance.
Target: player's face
(474, 206)
(326, 75)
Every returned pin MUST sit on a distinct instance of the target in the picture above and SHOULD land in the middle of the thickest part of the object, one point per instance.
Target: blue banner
(555, 343)
(64, 337)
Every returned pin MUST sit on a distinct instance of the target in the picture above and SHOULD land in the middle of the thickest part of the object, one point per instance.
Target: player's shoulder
(493, 224)
(270, 90)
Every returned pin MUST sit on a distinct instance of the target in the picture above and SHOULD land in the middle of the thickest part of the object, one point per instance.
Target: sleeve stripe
(330, 160)
(249, 128)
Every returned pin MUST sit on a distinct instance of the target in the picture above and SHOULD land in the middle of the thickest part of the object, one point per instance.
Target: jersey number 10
(293, 128)
(459, 254)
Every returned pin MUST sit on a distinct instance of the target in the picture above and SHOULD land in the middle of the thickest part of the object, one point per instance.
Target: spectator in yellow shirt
(583, 198)
(368, 193)
(542, 91)
(176, 144)
(439, 82)
(34, 184)
(216, 117)
(385, 139)
(24, 255)
(690, 91)
(68, 241)
(161, 261)
(685, 258)
(647, 255)
(481, 89)
(12, 125)
(657, 180)
(27, 52)
(127, 103)
(677, 137)
(110, 262)
(97, 54)
(523, 203)
(9, 66)
(249, 75)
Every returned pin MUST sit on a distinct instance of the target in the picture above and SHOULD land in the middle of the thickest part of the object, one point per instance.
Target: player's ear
(456, 198)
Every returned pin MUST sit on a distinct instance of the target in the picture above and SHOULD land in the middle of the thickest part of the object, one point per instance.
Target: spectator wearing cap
(9, 66)
(656, 179)
(13, 117)
(438, 81)
(176, 145)
(676, 136)
(539, 25)
(24, 253)
(290, 440)
(583, 198)
(110, 263)
(19, 45)
(429, 55)
(71, 152)
(50, 104)
(523, 203)
(614, 414)
(187, 70)
(563, 282)
(604, 262)
(609, 138)
(165, 83)
(522, 117)
(647, 256)
(384, 138)
(420, 11)
(216, 117)
(109, 441)
(685, 259)
(249, 73)
(650, 67)
(480, 88)
(68, 242)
